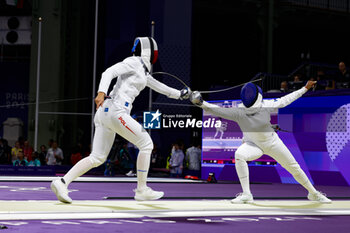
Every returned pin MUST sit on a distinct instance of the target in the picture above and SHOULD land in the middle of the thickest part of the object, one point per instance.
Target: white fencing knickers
(109, 120)
(275, 148)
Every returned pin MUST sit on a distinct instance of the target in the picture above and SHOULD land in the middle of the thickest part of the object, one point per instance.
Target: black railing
(332, 5)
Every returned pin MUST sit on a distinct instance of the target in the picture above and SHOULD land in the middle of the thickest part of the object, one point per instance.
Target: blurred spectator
(110, 168)
(27, 150)
(42, 154)
(193, 158)
(54, 155)
(76, 155)
(35, 162)
(5, 152)
(155, 157)
(284, 87)
(125, 161)
(133, 152)
(297, 78)
(14, 151)
(20, 161)
(324, 82)
(176, 161)
(296, 84)
(343, 77)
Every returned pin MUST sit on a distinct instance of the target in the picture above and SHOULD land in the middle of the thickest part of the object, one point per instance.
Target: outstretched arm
(165, 90)
(290, 98)
(227, 113)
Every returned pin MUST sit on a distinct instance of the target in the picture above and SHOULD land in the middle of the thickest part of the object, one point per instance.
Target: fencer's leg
(102, 144)
(282, 155)
(132, 131)
(103, 140)
(246, 152)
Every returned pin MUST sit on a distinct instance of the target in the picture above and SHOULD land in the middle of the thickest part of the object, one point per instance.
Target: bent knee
(239, 157)
(97, 159)
(145, 145)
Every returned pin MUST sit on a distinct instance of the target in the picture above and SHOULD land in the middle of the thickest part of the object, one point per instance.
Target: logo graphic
(151, 120)
(124, 123)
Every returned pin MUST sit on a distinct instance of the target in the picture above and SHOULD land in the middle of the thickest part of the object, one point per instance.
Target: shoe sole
(322, 202)
(148, 199)
(59, 197)
(242, 202)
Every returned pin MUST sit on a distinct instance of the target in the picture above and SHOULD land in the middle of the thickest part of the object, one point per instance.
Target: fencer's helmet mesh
(146, 47)
(249, 94)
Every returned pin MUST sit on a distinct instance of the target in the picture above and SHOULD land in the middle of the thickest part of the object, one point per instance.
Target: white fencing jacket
(132, 79)
(254, 122)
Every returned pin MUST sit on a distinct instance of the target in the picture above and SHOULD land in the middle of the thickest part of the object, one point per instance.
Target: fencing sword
(203, 92)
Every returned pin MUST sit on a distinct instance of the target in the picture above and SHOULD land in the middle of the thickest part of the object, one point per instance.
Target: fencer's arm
(112, 72)
(286, 100)
(162, 88)
(290, 98)
(227, 113)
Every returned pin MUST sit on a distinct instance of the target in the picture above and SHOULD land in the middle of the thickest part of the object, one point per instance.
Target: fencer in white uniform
(253, 117)
(113, 116)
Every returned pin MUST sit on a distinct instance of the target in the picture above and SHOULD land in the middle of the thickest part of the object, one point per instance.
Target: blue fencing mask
(250, 94)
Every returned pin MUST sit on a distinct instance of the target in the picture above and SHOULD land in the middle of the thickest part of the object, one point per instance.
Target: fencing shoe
(319, 197)
(243, 198)
(61, 191)
(147, 194)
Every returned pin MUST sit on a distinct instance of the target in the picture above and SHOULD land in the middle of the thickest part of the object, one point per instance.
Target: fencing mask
(251, 94)
(147, 49)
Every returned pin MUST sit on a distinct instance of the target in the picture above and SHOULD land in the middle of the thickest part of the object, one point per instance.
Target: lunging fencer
(253, 118)
(113, 116)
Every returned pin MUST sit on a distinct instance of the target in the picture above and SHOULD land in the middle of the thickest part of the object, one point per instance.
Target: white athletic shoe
(130, 173)
(243, 198)
(147, 194)
(61, 191)
(319, 197)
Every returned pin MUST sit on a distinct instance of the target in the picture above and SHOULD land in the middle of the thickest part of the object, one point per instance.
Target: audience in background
(284, 87)
(193, 159)
(54, 155)
(42, 155)
(76, 155)
(35, 162)
(14, 151)
(156, 158)
(20, 161)
(125, 161)
(176, 160)
(297, 83)
(5, 152)
(133, 152)
(343, 77)
(27, 150)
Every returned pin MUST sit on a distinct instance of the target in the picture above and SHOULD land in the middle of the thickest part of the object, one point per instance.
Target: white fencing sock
(78, 170)
(143, 163)
(243, 175)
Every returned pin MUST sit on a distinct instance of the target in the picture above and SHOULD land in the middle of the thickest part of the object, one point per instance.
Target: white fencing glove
(196, 98)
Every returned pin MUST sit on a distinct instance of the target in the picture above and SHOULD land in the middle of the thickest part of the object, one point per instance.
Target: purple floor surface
(96, 191)
(251, 224)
